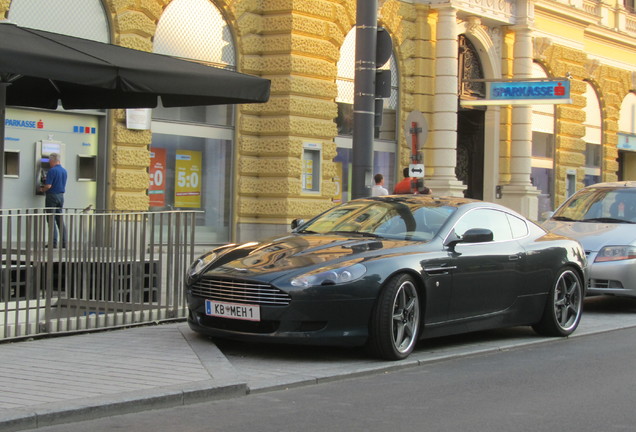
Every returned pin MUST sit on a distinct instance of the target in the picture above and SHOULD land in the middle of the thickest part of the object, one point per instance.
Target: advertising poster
(337, 179)
(157, 188)
(187, 179)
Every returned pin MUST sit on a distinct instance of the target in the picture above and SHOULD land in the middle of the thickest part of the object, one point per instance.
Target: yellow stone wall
(611, 83)
(296, 44)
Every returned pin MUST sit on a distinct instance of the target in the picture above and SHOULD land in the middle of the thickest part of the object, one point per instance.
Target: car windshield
(617, 205)
(395, 219)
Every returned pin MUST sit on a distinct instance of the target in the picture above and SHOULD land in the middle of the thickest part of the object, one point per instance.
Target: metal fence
(116, 269)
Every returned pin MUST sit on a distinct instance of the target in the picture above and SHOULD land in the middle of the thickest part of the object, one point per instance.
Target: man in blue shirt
(54, 187)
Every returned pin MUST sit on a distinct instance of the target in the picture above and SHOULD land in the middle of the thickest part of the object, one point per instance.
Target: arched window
(543, 149)
(191, 150)
(80, 18)
(385, 134)
(627, 139)
(593, 137)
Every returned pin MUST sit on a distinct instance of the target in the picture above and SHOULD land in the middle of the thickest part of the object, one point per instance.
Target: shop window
(191, 151)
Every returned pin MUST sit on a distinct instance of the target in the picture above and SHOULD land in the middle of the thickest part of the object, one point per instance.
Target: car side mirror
(296, 223)
(477, 235)
(473, 235)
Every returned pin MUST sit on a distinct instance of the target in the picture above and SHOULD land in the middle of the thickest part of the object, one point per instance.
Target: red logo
(559, 90)
(40, 124)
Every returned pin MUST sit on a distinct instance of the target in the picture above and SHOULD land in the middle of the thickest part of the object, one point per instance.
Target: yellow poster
(187, 188)
(337, 179)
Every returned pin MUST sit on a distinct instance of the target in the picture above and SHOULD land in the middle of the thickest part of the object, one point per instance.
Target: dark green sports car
(385, 272)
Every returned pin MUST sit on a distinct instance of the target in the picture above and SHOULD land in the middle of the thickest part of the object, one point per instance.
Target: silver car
(602, 217)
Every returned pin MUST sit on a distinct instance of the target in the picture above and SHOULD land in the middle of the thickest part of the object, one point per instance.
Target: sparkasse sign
(524, 93)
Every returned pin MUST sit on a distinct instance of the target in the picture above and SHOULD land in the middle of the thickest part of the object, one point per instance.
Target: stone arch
(488, 53)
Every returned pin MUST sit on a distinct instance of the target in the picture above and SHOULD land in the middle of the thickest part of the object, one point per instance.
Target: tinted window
(600, 203)
(494, 220)
(518, 226)
(391, 219)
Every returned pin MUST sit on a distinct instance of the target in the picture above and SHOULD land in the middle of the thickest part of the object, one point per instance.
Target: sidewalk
(72, 378)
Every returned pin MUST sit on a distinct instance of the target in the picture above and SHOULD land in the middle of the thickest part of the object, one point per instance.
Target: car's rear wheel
(564, 306)
(395, 323)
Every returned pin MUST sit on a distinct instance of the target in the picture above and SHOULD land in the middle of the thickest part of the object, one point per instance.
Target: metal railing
(116, 269)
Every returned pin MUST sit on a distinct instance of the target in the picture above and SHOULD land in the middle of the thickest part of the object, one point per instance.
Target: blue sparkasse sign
(530, 90)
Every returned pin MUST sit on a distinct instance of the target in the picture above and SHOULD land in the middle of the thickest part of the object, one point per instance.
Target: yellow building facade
(287, 158)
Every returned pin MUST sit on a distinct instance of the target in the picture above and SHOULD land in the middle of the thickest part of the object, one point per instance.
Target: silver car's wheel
(395, 325)
(563, 309)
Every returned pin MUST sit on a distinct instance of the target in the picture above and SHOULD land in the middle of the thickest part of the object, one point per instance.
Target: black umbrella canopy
(44, 67)
(39, 69)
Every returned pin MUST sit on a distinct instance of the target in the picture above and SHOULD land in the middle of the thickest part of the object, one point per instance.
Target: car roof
(613, 185)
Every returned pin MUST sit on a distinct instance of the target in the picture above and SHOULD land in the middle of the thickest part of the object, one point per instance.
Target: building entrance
(470, 152)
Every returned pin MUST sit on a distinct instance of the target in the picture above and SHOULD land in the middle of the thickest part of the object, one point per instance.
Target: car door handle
(514, 257)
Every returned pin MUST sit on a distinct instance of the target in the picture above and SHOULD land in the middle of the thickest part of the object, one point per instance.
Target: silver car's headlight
(330, 276)
(616, 253)
(201, 263)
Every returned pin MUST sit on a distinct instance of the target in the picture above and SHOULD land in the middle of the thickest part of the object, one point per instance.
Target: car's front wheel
(564, 306)
(395, 323)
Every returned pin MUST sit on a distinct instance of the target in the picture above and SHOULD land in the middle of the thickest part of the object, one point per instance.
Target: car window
(517, 226)
(494, 220)
(600, 203)
(392, 219)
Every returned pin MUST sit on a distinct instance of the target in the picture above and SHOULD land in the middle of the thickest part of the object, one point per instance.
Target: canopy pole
(3, 116)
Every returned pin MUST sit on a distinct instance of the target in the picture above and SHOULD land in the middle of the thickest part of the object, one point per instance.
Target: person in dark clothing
(54, 188)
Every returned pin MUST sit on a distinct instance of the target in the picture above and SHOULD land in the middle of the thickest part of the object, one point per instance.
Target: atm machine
(43, 150)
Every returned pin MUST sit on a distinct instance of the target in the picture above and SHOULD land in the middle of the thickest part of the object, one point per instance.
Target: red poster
(157, 189)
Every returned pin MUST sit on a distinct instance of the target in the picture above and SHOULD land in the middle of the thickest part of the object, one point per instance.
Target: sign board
(626, 142)
(416, 170)
(422, 128)
(187, 179)
(524, 93)
(138, 118)
(157, 173)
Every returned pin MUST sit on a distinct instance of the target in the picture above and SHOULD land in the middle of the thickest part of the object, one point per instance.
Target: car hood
(593, 236)
(269, 260)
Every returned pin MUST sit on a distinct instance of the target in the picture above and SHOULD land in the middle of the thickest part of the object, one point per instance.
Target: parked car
(602, 218)
(385, 272)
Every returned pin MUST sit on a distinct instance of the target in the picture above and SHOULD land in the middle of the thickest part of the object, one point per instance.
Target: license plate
(233, 310)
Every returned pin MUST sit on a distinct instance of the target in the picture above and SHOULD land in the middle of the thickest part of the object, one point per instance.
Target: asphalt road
(579, 384)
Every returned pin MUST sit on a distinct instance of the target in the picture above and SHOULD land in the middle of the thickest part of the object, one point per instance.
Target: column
(520, 194)
(444, 128)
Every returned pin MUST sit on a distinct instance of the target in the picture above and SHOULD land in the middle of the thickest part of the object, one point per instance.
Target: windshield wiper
(562, 218)
(607, 219)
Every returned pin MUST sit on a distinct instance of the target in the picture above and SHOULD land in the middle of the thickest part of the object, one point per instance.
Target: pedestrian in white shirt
(378, 189)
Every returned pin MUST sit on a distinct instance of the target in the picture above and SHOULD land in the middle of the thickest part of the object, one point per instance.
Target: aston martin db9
(385, 272)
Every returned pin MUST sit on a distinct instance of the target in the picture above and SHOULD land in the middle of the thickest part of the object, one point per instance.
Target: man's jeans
(54, 204)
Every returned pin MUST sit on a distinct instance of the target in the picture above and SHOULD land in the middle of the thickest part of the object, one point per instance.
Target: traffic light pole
(364, 98)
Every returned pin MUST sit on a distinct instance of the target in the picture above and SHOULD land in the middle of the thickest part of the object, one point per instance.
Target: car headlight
(330, 276)
(201, 263)
(616, 253)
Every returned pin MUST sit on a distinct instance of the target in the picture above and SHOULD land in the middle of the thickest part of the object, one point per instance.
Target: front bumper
(613, 277)
(335, 322)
